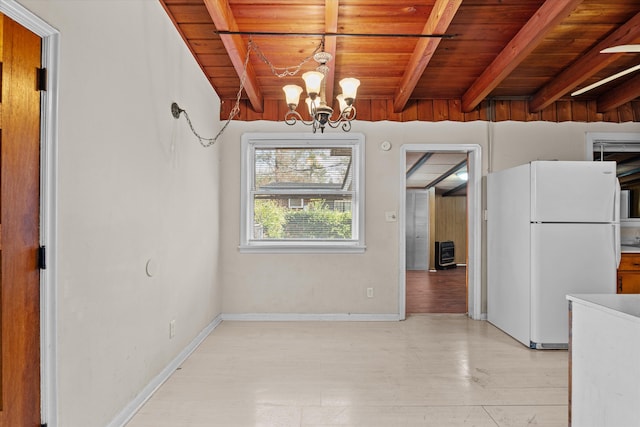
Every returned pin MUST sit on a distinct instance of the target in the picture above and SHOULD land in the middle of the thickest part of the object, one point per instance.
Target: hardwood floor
(440, 291)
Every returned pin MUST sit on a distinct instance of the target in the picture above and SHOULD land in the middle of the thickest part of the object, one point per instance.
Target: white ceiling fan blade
(623, 48)
(607, 80)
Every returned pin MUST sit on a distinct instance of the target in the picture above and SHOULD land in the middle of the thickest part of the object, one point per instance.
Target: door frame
(474, 224)
(48, 203)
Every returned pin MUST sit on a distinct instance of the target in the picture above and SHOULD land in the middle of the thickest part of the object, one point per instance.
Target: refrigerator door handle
(616, 225)
(616, 244)
(616, 203)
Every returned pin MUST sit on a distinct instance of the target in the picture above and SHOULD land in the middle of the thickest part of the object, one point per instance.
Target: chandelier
(319, 110)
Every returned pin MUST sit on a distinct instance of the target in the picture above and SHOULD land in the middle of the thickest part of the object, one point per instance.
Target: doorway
(468, 157)
(436, 232)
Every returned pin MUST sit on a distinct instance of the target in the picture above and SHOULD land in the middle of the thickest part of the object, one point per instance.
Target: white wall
(336, 284)
(518, 143)
(134, 185)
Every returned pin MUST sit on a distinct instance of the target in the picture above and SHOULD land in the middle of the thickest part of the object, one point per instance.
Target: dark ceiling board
(629, 173)
(516, 50)
(438, 22)
(456, 191)
(445, 175)
(620, 95)
(587, 65)
(481, 30)
(421, 161)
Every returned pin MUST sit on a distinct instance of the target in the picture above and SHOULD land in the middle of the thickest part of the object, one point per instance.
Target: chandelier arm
(349, 113)
(292, 117)
(334, 123)
(345, 117)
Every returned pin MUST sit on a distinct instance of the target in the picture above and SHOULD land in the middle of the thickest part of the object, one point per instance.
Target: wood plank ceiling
(500, 59)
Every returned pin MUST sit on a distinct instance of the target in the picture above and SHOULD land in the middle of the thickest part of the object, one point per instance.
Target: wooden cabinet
(628, 280)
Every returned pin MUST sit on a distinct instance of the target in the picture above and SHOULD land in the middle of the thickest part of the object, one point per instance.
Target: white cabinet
(604, 365)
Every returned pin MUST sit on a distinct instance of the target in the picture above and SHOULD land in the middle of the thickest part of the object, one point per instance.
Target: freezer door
(567, 191)
(567, 259)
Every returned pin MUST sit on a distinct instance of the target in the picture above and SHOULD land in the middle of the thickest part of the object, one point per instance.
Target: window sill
(302, 249)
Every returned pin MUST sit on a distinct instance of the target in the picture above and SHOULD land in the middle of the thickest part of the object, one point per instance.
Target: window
(296, 203)
(302, 193)
(624, 149)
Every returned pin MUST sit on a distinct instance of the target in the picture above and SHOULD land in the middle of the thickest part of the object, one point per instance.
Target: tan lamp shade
(313, 81)
(349, 88)
(292, 93)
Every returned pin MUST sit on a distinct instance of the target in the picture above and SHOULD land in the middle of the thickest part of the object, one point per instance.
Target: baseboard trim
(134, 406)
(297, 317)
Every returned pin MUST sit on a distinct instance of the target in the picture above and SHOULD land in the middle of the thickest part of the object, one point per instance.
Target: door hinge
(42, 258)
(41, 79)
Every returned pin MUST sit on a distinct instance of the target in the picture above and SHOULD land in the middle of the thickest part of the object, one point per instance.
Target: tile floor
(436, 370)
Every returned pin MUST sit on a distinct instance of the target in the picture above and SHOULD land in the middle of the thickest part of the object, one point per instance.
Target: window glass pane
(303, 168)
(302, 194)
(308, 217)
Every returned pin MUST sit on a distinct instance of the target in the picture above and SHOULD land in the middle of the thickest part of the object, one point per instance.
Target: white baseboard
(130, 410)
(297, 317)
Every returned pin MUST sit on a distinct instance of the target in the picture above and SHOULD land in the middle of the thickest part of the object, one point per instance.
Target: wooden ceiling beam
(550, 14)
(223, 18)
(619, 96)
(439, 20)
(330, 27)
(586, 66)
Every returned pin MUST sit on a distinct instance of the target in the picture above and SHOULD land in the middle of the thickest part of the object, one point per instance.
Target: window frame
(250, 141)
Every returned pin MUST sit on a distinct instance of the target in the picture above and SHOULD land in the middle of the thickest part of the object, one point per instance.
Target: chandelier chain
(235, 110)
(207, 142)
(284, 71)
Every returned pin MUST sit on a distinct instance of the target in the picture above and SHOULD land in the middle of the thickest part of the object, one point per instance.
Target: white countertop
(622, 305)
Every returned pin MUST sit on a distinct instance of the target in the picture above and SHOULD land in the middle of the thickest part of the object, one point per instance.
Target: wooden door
(19, 227)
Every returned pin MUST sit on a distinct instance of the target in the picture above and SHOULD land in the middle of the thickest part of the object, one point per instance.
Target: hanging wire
(286, 71)
(207, 142)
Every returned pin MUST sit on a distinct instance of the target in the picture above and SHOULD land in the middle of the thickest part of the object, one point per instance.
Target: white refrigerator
(553, 228)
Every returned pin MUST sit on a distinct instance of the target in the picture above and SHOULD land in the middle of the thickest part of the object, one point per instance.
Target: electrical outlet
(172, 328)
(369, 292)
